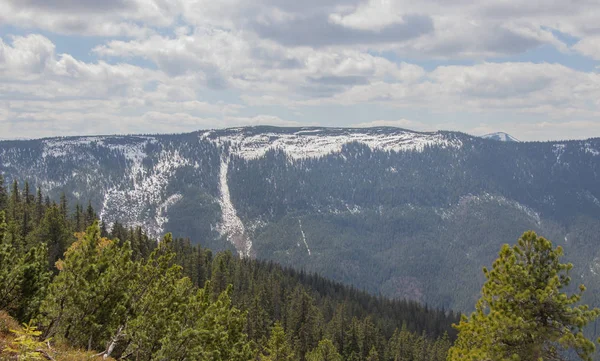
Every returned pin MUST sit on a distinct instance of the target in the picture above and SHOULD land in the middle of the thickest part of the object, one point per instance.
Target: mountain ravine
(397, 212)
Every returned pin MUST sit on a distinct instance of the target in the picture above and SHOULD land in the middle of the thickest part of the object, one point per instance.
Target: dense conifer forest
(114, 291)
(73, 289)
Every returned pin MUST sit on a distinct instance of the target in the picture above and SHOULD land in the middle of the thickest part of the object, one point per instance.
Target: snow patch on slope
(590, 149)
(134, 201)
(595, 266)
(303, 236)
(140, 197)
(161, 212)
(231, 225)
(559, 150)
(310, 144)
(587, 195)
(60, 147)
(488, 198)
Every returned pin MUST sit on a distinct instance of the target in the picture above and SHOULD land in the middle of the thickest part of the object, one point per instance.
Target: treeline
(122, 294)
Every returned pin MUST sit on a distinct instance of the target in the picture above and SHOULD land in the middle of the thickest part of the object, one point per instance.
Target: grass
(10, 330)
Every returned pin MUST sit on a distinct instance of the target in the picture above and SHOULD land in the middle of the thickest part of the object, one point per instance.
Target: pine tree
(226, 340)
(35, 280)
(64, 207)
(25, 346)
(10, 271)
(103, 229)
(440, 348)
(523, 313)
(23, 276)
(325, 351)
(79, 222)
(257, 323)
(15, 201)
(2, 226)
(421, 348)
(352, 343)
(401, 345)
(39, 206)
(303, 322)
(373, 355)
(26, 226)
(90, 216)
(157, 295)
(27, 194)
(336, 331)
(220, 273)
(86, 301)
(278, 348)
(55, 233)
(369, 337)
(119, 232)
(3, 194)
(202, 329)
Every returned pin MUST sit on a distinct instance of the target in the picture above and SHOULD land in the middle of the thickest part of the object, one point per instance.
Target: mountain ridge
(357, 198)
(283, 129)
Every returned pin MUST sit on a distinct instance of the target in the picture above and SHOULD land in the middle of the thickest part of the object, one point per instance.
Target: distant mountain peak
(500, 136)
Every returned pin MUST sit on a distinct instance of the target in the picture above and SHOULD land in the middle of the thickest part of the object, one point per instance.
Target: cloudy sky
(530, 68)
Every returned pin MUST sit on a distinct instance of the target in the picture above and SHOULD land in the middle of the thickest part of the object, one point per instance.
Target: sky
(83, 67)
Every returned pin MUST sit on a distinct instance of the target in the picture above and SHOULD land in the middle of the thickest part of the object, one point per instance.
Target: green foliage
(169, 319)
(524, 313)
(120, 294)
(53, 230)
(406, 346)
(325, 351)
(23, 276)
(278, 348)
(104, 300)
(311, 308)
(207, 330)
(87, 299)
(26, 346)
(303, 321)
(3, 193)
(373, 355)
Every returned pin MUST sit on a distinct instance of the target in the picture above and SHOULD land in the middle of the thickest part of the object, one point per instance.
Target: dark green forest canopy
(103, 289)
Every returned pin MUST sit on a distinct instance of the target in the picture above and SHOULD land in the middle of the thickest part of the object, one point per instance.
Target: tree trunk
(113, 343)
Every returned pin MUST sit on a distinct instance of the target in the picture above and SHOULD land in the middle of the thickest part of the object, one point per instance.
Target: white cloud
(589, 46)
(186, 64)
(227, 59)
(549, 89)
(476, 30)
(48, 94)
(91, 17)
(27, 55)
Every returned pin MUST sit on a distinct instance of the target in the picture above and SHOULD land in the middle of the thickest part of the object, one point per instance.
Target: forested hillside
(116, 291)
(400, 213)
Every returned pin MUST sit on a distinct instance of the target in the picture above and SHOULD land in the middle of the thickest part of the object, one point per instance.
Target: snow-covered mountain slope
(334, 200)
(500, 136)
(130, 178)
(319, 142)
